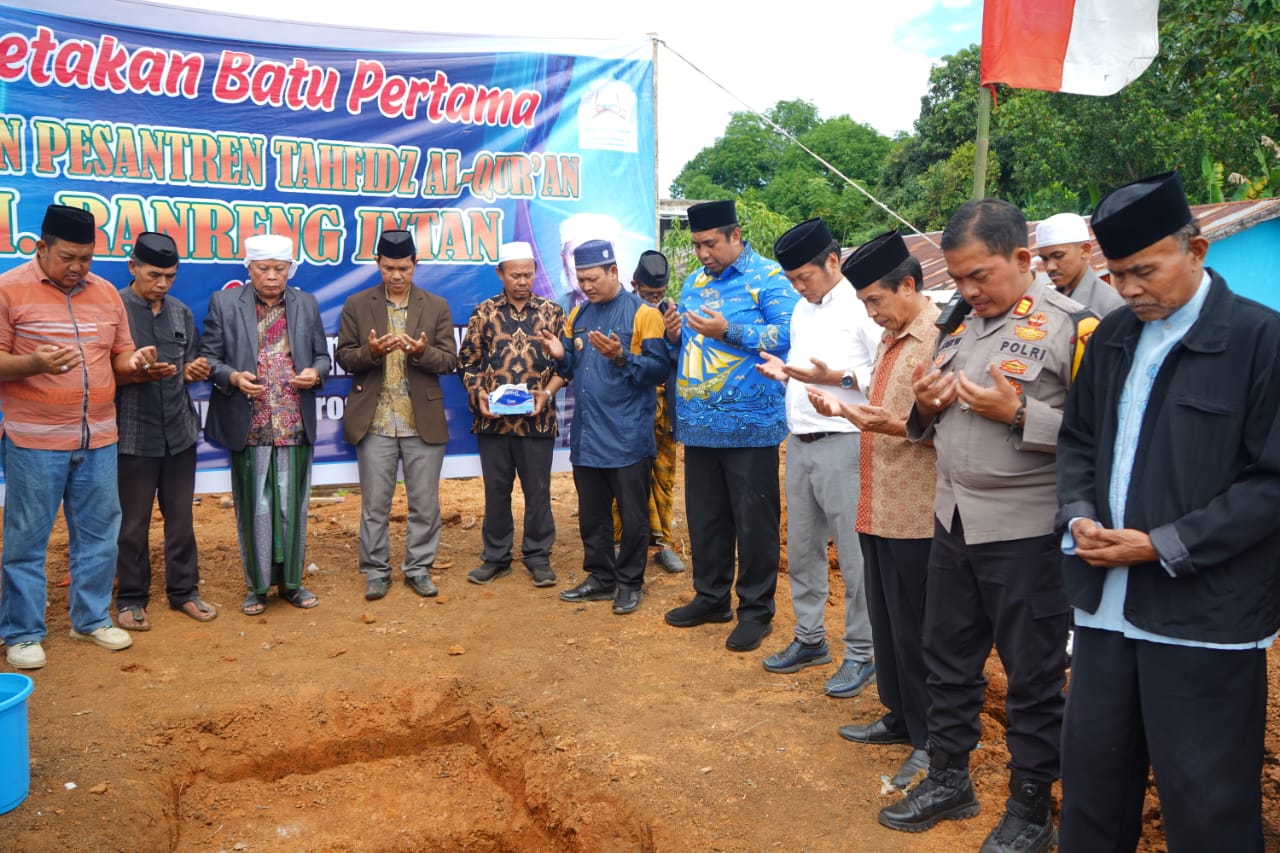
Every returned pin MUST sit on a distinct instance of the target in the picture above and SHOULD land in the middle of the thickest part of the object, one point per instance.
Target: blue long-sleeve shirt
(721, 399)
(614, 406)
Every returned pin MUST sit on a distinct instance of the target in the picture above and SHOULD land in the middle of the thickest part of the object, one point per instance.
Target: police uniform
(995, 566)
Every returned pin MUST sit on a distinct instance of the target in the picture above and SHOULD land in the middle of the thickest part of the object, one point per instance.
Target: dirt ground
(493, 718)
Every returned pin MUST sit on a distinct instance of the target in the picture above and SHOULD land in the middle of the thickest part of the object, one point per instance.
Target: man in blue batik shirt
(613, 352)
(730, 420)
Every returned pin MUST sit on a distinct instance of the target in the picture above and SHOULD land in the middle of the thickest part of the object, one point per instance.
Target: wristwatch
(847, 380)
(620, 360)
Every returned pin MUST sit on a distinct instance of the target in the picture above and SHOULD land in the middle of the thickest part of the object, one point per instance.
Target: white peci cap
(1061, 228)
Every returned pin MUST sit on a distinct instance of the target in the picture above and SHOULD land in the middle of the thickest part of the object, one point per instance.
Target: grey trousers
(822, 503)
(377, 458)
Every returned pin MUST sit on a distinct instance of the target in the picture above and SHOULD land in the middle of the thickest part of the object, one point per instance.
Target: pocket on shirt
(1205, 406)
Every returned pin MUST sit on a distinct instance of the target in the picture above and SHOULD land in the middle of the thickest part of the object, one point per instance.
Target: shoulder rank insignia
(1024, 306)
(959, 331)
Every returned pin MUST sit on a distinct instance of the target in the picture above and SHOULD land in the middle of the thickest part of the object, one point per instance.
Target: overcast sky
(868, 59)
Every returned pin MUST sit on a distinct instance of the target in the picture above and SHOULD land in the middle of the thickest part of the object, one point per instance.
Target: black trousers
(732, 501)
(598, 488)
(502, 458)
(895, 572)
(1196, 716)
(1009, 593)
(142, 480)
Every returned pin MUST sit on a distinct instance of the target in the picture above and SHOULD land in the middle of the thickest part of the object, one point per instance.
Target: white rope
(783, 132)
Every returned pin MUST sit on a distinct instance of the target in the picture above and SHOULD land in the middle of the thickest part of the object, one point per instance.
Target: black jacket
(1205, 483)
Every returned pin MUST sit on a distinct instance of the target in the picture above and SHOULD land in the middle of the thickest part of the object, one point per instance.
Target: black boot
(1026, 826)
(945, 794)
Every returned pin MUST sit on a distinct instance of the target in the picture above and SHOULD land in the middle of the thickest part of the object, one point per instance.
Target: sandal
(253, 604)
(300, 597)
(133, 617)
(198, 610)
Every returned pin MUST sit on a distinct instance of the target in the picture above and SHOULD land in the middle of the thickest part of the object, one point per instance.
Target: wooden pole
(984, 135)
(657, 187)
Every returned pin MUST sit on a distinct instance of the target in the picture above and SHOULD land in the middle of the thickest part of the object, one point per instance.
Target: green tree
(747, 155)
(753, 162)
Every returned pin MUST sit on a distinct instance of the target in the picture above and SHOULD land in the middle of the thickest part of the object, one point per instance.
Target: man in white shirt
(833, 344)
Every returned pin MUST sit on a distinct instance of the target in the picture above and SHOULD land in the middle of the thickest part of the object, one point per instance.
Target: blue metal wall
(1250, 262)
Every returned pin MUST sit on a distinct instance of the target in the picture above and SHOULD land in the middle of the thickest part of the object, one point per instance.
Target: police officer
(992, 404)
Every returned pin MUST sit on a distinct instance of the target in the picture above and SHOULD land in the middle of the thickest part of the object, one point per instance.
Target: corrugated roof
(1217, 221)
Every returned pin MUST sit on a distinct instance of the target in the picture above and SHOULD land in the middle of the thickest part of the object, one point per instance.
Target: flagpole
(985, 95)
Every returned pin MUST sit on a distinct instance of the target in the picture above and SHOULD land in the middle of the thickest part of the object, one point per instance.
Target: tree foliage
(1209, 103)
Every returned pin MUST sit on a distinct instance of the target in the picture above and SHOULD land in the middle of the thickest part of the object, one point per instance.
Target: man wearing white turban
(267, 355)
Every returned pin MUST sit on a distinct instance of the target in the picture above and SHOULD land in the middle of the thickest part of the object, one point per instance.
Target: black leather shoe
(878, 733)
(945, 794)
(375, 588)
(627, 601)
(589, 590)
(746, 636)
(422, 585)
(695, 613)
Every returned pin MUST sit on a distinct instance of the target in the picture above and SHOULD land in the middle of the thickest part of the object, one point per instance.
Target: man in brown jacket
(395, 340)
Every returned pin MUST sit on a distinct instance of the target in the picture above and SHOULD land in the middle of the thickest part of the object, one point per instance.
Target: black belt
(815, 436)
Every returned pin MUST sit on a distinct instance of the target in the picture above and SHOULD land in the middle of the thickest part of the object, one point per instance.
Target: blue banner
(215, 128)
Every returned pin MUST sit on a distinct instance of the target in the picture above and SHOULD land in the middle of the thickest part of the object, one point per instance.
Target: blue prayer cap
(594, 253)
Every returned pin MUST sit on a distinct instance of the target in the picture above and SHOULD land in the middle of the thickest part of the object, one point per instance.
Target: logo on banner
(607, 117)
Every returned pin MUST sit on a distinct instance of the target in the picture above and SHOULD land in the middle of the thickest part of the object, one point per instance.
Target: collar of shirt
(1179, 322)
(390, 299)
(284, 296)
(131, 295)
(741, 264)
(921, 328)
(44, 279)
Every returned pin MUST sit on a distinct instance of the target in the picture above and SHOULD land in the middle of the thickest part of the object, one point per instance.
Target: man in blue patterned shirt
(731, 421)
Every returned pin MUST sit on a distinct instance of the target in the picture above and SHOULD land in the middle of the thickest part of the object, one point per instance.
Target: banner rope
(784, 133)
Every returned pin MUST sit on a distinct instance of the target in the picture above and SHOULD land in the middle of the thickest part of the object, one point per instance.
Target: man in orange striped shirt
(63, 337)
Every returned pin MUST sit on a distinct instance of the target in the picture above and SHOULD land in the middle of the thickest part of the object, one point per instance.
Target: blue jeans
(36, 482)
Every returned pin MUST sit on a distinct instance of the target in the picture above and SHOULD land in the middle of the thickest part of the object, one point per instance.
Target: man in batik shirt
(501, 348)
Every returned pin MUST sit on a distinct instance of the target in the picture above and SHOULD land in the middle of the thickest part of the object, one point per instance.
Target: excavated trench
(399, 773)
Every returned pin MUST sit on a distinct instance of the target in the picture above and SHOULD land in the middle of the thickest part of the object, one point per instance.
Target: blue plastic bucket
(15, 766)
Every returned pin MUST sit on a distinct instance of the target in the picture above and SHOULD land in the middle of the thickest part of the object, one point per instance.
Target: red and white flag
(1089, 47)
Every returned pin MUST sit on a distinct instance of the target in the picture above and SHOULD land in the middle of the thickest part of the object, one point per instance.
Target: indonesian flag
(1089, 47)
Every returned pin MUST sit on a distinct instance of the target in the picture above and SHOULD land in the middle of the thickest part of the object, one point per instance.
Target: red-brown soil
(492, 718)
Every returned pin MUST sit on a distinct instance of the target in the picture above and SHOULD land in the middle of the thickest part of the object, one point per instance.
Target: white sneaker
(26, 655)
(108, 636)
